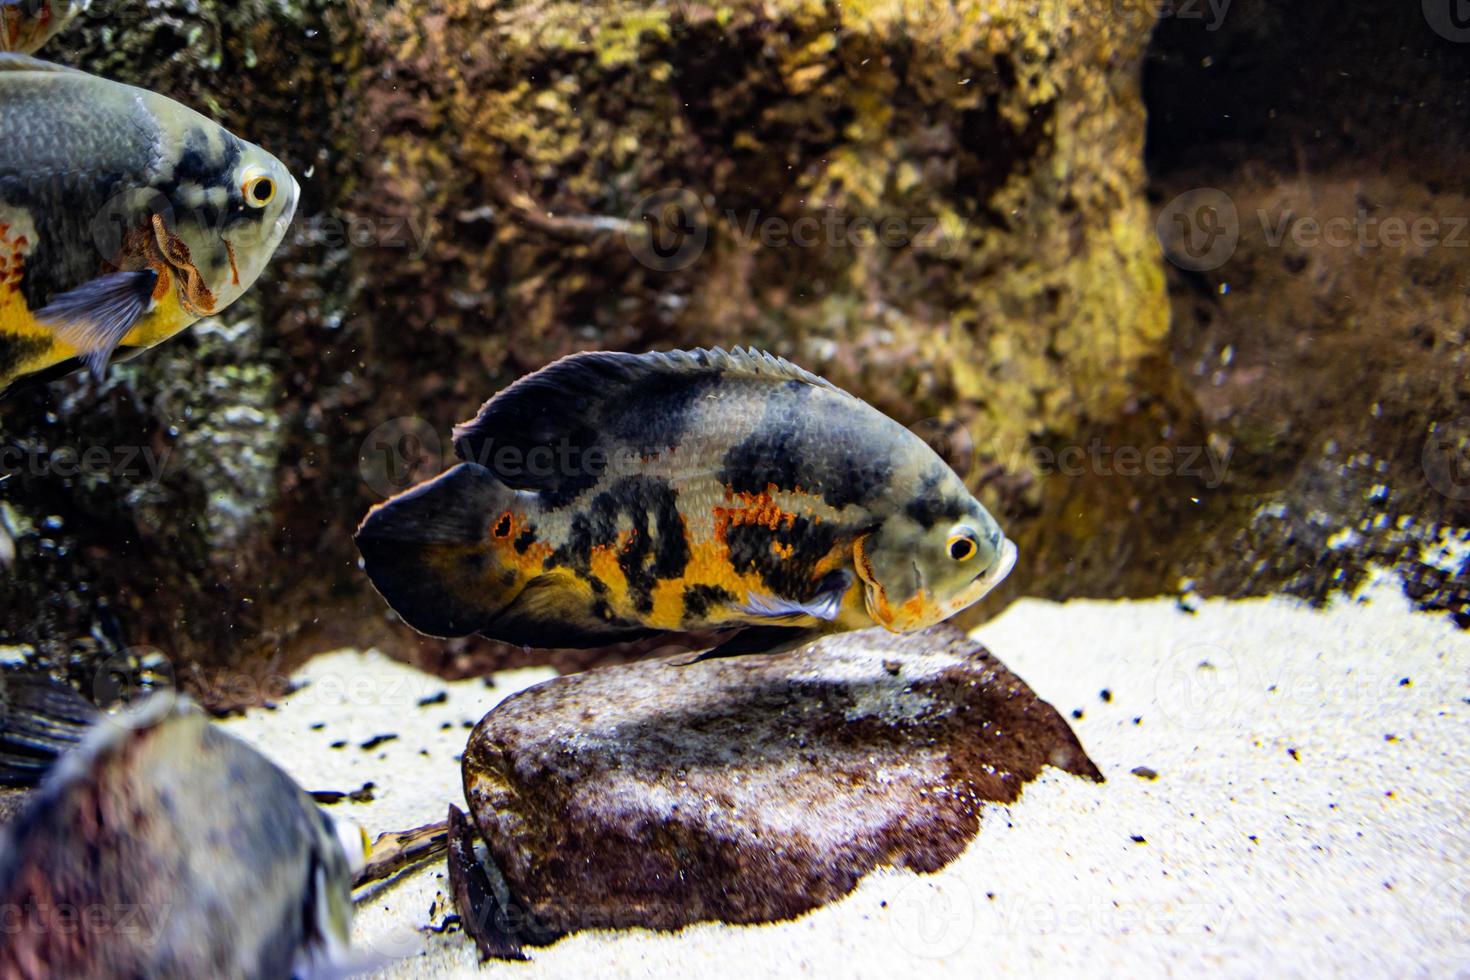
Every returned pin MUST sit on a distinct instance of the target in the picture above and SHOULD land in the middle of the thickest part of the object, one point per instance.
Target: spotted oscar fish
(25, 25)
(610, 497)
(124, 217)
(188, 853)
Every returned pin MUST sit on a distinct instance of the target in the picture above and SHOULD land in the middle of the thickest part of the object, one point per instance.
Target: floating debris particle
(1144, 772)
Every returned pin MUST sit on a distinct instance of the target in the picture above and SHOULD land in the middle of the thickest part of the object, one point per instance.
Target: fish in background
(610, 497)
(124, 218)
(40, 720)
(164, 847)
(25, 25)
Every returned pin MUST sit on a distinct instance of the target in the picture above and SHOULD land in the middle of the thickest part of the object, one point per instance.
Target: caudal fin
(40, 720)
(427, 551)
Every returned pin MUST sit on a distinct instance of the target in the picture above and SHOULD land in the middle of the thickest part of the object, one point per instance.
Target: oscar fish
(161, 846)
(25, 25)
(611, 496)
(124, 218)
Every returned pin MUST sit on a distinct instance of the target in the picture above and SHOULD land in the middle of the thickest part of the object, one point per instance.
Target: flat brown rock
(756, 788)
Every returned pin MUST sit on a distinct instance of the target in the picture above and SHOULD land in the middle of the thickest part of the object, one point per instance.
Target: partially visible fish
(124, 217)
(25, 25)
(163, 847)
(612, 496)
(40, 720)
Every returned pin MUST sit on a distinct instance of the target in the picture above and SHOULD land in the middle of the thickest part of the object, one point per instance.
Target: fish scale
(689, 491)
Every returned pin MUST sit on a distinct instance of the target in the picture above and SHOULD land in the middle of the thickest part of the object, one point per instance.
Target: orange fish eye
(259, 191)
(962, 547)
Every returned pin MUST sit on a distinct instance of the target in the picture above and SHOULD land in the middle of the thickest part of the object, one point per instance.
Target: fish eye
(259, 190)
(962, 544)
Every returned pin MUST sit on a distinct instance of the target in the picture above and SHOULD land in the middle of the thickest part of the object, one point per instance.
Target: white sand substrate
(1310, 816)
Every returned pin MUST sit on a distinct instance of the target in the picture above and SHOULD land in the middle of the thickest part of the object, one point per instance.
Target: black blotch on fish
(931, 506)
(753, 548)
(525, 539)
(15, 351)
(204, 166)
(787, 450)
(656, 551)
(700, 599)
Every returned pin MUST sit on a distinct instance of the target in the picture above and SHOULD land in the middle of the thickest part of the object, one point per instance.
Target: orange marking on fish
(916, 606)
(501, 534)
(234, 269)
(196, 296)
(758, 509)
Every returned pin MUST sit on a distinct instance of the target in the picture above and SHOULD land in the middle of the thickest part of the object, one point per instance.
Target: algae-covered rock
(940, 205)
(751, 789)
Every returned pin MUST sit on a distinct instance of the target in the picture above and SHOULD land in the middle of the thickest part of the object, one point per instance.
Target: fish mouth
(288, 213)
(1002, 567)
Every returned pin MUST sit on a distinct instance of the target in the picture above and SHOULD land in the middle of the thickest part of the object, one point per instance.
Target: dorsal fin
(584, 399)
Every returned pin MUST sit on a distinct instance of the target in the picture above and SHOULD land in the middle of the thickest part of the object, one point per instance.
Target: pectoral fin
(825, 605)
(97, 315)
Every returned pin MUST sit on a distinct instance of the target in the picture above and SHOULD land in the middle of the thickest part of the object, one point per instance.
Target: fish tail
(40, 720)
(428, 552)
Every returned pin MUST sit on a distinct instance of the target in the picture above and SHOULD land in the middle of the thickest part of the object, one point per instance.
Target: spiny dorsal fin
(580, 400)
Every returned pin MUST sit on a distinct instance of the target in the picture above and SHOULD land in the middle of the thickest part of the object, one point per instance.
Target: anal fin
(759, 639)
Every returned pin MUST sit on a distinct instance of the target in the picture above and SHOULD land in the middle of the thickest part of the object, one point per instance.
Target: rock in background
(755, 788)
(1321, 342)
(943, 206)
